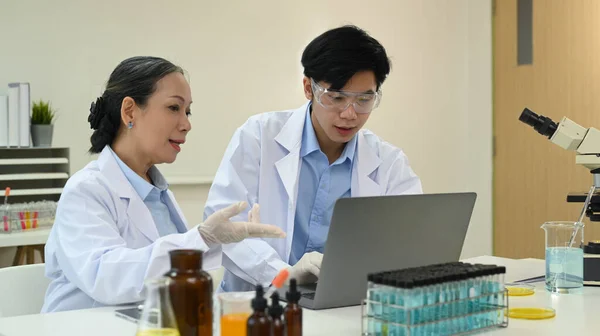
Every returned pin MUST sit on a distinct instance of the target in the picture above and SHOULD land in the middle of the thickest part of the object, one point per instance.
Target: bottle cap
(293, 295)
(276, 309)
(592, 247)
(259, 303)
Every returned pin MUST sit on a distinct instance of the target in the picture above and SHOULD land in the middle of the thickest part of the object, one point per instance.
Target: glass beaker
(564, 256)
(157, 317)
(235, 309)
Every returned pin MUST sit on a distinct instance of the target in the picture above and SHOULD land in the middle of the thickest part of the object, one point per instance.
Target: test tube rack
(443, 299)
(27, 216)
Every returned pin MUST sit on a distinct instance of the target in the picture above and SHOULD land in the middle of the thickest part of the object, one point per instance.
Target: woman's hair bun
(97, 111)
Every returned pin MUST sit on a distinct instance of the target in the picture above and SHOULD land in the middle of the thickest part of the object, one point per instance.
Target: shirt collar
(141, 186)
(311, 144)
(309, 137)
(349, 150)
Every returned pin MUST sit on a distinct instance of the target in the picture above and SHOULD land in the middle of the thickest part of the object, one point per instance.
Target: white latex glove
(307, 269)
(218, 229)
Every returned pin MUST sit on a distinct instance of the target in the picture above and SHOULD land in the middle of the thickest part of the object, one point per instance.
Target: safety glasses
(341, 100)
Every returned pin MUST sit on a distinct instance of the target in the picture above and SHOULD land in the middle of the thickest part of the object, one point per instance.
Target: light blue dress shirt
(155, 197)
(320, 186)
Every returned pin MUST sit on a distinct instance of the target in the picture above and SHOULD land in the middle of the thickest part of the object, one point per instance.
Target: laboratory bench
(576, 314)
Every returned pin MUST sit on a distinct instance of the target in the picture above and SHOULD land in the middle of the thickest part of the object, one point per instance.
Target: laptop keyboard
(310, 295)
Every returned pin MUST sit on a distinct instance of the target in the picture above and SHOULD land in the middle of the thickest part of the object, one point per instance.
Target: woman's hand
(218, 229)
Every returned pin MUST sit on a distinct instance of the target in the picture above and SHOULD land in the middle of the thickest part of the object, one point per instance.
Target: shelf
(31, 148)
(30, 192)
(33, 176)
(21, 238)
(40, 161)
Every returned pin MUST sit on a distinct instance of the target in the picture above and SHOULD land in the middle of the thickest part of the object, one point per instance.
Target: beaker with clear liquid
(158, 318)
(564, 256)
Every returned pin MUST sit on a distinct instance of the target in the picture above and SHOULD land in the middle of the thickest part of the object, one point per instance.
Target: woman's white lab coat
(262, 165)
(104, 242)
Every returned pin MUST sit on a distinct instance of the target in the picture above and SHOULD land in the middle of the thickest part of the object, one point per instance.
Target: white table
(33, 237)
(103, 322)
(575, 314)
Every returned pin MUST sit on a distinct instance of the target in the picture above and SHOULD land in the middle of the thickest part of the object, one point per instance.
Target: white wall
(244, 57)
(479, 239)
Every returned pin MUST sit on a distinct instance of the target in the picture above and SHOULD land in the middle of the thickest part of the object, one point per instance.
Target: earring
(130, 125)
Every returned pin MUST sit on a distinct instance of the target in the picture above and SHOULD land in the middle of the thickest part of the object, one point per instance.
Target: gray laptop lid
(372, 234)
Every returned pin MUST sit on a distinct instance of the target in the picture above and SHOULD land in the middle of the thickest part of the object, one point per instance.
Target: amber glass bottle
(259, 323)
(293, 311)
(191, 293)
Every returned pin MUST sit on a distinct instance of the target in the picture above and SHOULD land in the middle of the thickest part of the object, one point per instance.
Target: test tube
(454, 296)
(427, 311)
(371, 289)
(438, 285)
(377, 305)
(402, 288)
(479, 294)
(500, 295)
(393, 329)
(451, 280)
(490, 303)
(475, 291)
(486, 304)
(463, 305)
(433, 301)
(386, 292)
(445, 297)
(429, 290)
(419, 313)
(400, 311)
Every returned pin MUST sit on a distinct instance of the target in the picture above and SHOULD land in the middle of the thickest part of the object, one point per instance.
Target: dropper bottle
(275, 311)
(293, 312)
(259, 323)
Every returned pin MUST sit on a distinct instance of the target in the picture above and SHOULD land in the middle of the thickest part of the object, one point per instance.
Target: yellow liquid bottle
(158, 332)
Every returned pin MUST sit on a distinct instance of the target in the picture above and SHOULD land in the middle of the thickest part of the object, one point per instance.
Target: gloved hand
(307, 269)
(218, 229)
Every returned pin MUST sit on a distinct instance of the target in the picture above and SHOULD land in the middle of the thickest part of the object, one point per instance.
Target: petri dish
(531, 313)
(519, 289)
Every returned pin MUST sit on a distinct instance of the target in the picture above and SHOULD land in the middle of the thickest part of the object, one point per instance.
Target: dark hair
(135, 77)
(338, 54)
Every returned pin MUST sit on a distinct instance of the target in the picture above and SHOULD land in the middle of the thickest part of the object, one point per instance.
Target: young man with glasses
(296, 164)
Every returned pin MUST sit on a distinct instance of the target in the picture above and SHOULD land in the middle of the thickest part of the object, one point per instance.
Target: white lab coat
(262, 165)
(104, 243)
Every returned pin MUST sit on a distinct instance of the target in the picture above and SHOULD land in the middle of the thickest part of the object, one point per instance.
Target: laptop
(373, 234)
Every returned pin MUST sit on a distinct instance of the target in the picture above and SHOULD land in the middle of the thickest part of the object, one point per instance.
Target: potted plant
(42, 116)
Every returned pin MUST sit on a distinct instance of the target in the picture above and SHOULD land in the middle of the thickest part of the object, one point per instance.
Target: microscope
(586, 143)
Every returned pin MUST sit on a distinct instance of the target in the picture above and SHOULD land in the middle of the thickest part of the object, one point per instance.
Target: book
(3, 121)
(24, 115)
(13, 114)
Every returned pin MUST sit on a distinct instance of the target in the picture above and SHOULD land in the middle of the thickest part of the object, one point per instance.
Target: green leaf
(42, 113)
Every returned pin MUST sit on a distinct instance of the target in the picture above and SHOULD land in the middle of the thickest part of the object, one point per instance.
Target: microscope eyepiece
(543, 125)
